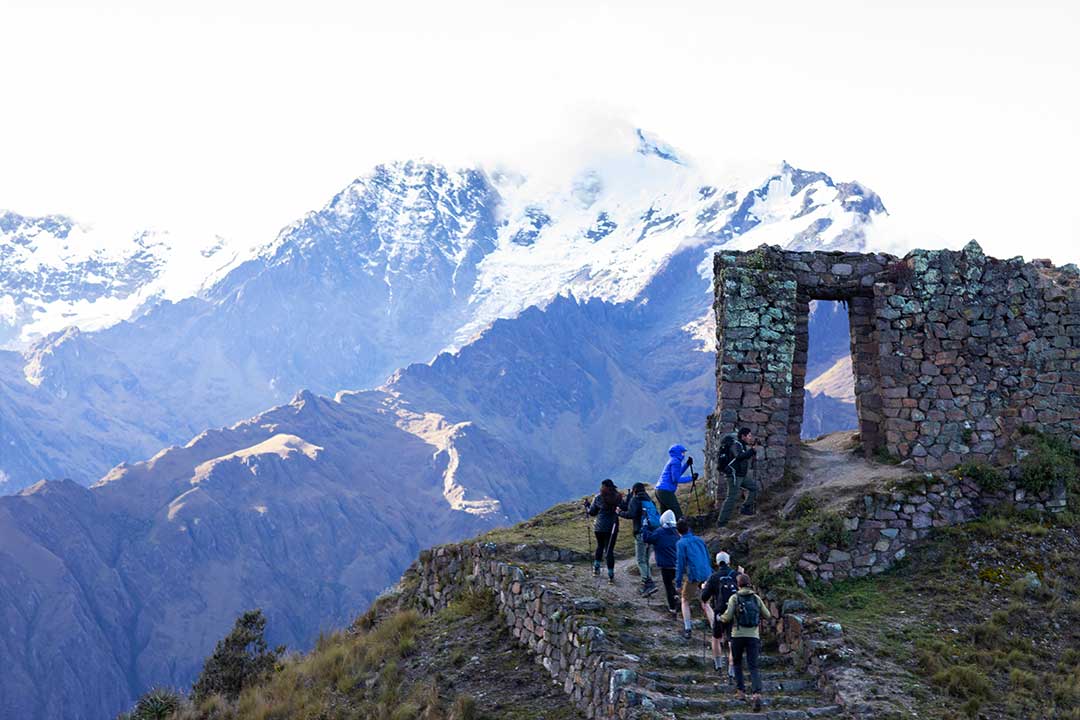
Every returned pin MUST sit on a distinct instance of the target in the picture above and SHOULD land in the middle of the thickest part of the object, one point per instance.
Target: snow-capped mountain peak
(475, 243)
(56, 273)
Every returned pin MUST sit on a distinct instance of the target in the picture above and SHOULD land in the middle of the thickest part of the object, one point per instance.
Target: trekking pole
(588, 530)
(611, 539)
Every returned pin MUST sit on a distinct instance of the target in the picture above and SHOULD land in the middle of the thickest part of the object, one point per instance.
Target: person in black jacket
(742, 453)
(715, 593)
(605, 507)
(639, 508)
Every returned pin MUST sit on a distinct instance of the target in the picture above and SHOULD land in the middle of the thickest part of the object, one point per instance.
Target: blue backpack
(652, 515)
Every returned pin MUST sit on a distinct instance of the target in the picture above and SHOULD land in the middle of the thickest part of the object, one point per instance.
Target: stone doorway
(762, 307)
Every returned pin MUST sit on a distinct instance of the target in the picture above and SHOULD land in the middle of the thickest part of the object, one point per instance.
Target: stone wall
(543, 618)
(880, 527)
(952, 351)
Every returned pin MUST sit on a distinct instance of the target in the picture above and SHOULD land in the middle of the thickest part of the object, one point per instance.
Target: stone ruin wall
(952, 351)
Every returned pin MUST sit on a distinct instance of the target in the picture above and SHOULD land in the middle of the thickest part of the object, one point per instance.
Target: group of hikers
(732, 610)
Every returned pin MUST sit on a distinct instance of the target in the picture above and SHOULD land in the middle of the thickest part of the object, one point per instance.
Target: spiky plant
(157, 704)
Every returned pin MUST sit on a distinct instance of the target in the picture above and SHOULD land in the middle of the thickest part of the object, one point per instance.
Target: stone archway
(762, 302)
(952, 351)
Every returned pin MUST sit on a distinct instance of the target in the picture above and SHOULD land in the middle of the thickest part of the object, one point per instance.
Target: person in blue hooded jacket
(670, 479)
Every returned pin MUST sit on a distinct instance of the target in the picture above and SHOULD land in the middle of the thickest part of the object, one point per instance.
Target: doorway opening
(829, 387)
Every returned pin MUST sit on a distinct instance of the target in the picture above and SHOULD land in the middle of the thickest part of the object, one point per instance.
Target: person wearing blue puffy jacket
(671, 477)
(665, 544)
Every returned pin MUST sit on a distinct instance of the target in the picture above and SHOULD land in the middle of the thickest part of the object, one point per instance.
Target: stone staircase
(675, 676)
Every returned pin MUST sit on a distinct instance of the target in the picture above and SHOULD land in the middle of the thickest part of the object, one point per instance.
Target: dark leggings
(668, 500)
(751, 646)
(668, 575)
(606, 541)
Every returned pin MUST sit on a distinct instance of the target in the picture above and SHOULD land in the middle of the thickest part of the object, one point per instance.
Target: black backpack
(726, 590)
(747, 611)
(726, 454)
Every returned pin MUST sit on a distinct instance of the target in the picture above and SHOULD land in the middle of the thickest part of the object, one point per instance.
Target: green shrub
(964, 682)
(832, 532)
(883, 456)
(1023, 679)
(1049, 459)
(986, 477)
(804, 505)
(464, 708)
(240, 659)
(989, 635)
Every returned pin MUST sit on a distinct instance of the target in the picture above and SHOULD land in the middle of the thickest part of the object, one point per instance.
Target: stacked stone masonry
(881, 527)
(543, 618)
(952, 351)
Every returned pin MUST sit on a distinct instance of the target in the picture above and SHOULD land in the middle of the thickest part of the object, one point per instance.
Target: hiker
(715, 594)
(734, 460)
(664, 542)
(605, 507)
(691, 570)
(672, 477)
(642, 510)
(745, 611)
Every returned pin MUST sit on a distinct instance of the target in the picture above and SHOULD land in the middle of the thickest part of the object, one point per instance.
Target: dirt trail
(830, 462)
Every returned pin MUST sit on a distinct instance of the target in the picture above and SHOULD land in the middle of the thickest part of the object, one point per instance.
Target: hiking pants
(641, 550)
(751, 645)
(735, 485)
(668, 501)
(668, 576)
(605, 541)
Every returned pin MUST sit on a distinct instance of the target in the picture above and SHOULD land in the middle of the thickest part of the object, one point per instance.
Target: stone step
(696, 660)
(803, 689)
(825, 711)
(726, 704)
(716, 682)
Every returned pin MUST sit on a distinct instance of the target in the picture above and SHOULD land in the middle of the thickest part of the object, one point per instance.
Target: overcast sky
(237, 117)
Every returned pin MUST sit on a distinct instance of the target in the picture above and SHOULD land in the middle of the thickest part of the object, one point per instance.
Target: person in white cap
(664, 542)
(715, 594)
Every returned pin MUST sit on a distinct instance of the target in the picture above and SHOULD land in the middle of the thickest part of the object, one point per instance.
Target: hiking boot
(756, 703)
(611, 579)
(687, 633)
(746, 511)
(649, 588)
(596, 569)
(673, 611)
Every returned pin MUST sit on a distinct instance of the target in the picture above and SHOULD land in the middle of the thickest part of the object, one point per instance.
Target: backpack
(726, 454)
(726, 590)
(651, 516)
(747, 611)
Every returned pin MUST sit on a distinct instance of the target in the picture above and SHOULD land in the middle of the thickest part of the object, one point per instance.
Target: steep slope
(402, 264)
(307, 511)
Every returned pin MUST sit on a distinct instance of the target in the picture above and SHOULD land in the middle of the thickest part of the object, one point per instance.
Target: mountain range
(462, 347)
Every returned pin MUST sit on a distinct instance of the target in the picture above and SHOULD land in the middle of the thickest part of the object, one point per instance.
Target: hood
(667, 519)
(676, 451)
